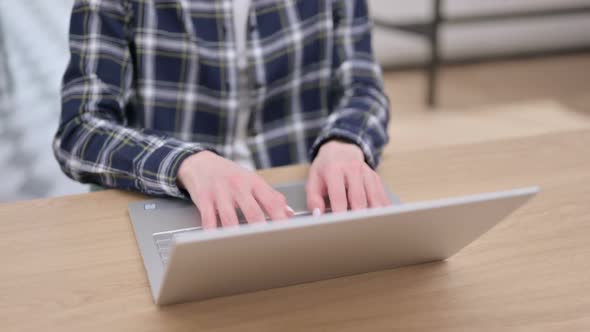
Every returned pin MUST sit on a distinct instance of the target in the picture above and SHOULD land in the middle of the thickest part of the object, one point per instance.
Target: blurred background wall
(33, 56)
(34, 43)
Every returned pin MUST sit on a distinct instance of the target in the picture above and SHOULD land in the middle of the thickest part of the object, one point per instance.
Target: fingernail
(317, 212)
(290, 210)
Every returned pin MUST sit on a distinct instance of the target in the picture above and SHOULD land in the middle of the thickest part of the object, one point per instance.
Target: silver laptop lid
(254, 257)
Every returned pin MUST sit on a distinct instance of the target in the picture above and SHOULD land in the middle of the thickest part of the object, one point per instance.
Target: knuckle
(260, 185)
(355, 165)
(223, 214)
(208, 215)
(235, 181)
(205, 209)
(334, 167)
(203, 206)
(323, 172)
(279, 202)
(202, 196)
(255, 217)
(249, 209)
(226, 212)
(280, 197)
(360, 202)
(256, 181)
(357, 195)
(219, 187)
(227, 217)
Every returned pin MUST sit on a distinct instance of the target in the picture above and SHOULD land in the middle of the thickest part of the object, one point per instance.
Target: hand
(340, 172)
(217, 186)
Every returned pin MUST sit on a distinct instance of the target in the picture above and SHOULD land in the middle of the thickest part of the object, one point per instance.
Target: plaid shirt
(151, 82)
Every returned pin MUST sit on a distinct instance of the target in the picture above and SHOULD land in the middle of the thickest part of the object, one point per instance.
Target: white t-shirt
(242, 154)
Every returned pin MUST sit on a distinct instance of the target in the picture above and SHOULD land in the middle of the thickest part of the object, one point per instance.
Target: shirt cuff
(159, 173)
(347, 135)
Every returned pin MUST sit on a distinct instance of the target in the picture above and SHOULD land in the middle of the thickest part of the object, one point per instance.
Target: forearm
(360, 111)
(94, 143)
(362, 119)
(96, 150)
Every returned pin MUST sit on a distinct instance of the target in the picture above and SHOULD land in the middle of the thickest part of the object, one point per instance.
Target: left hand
(339, 171)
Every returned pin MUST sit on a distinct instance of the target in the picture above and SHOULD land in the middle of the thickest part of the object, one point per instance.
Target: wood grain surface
(72, 264)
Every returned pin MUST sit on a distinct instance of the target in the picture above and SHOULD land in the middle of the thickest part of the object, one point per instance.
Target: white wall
(490, 38)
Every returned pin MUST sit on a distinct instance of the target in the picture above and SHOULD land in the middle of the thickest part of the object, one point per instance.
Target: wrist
(340, 146)
(189, 165)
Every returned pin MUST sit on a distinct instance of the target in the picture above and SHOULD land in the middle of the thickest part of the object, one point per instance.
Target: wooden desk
(482, 124)
(71, 264)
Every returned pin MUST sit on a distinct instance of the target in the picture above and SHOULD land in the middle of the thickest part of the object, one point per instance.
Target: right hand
(217, 186)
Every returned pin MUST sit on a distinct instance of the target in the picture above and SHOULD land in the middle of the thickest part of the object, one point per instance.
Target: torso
(186, 82)
(241, 153)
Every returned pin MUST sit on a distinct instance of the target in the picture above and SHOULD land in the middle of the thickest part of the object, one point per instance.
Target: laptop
(185, 263)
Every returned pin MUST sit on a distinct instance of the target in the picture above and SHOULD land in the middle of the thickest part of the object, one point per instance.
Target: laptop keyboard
(163, 240)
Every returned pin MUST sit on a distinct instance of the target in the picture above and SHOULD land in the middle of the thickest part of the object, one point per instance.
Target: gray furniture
(430, 31)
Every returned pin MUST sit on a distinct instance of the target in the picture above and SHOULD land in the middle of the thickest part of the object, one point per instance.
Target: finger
(250, 208)
(282, 200)
(384, 198)
(315, 192)
(273, 202)
(336, 191)
(372, 188)
(357, 198)
(226, 210)
(207, 211)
